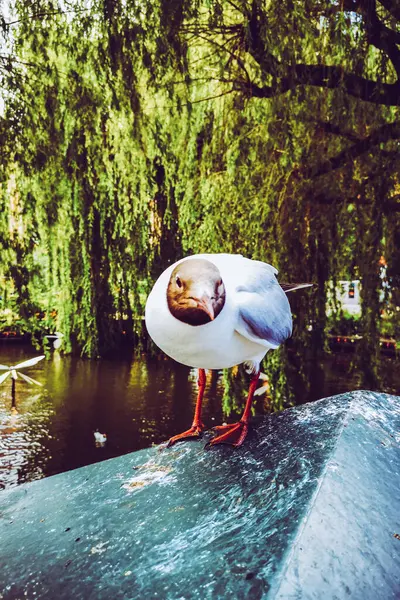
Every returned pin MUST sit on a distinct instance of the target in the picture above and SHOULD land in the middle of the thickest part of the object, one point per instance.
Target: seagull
(215, 311)
(100, 438)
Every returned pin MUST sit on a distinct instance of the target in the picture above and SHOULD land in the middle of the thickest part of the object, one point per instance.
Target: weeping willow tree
(134, 133)
(89, 200)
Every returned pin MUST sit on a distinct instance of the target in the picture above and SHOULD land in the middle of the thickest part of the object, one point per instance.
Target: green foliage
(136, 132)
(344, 323)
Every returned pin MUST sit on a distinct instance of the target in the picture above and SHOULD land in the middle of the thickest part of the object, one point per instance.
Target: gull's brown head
(196, 292)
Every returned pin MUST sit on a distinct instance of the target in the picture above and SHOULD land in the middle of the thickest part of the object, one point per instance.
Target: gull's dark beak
(205, 304)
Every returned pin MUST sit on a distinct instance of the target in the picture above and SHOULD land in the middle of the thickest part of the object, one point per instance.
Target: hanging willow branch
(129, 148)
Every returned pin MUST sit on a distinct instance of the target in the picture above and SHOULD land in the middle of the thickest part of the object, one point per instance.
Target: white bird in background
(100, 438)
(215, 311)
(57, 337)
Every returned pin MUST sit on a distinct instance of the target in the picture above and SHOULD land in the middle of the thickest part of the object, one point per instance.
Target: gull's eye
(178, 282)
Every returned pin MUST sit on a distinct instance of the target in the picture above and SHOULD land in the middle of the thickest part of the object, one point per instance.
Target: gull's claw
(193, 433)
(233, 434)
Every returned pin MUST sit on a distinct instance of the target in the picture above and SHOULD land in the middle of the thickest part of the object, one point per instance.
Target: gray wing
(264, 310)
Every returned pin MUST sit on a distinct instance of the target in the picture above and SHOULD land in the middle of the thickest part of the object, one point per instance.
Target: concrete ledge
(309, 508)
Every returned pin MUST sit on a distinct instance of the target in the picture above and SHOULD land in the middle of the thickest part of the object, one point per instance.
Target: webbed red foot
(197, 426)
(193, 433)
(233, 434)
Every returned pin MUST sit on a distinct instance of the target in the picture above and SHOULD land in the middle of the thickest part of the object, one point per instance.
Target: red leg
(197, 425)
(235, 433)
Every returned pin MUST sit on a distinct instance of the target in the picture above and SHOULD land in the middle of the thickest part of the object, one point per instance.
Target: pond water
(136, 403)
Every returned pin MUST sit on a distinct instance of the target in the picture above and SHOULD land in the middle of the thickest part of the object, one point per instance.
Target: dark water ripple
(135, 403)
(51, 428)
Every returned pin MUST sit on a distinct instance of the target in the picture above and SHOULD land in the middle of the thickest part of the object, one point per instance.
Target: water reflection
(24, 422)
(135, 404)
